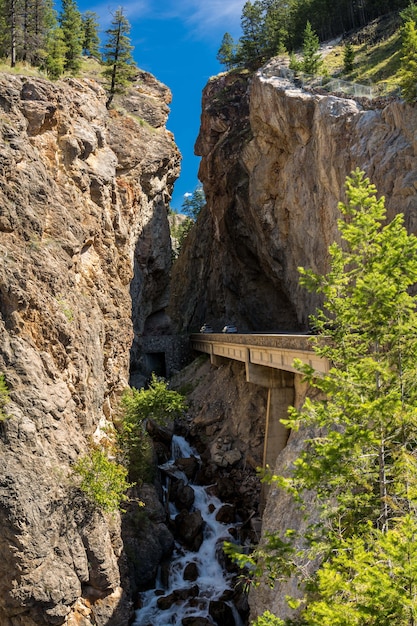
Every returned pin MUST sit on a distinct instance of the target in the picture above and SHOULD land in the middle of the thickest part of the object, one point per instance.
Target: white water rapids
(212, 580)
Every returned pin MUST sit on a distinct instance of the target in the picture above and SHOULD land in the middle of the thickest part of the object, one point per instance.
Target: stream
(204, 597)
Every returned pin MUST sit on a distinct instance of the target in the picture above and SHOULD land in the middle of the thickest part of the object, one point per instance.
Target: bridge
(268, 360)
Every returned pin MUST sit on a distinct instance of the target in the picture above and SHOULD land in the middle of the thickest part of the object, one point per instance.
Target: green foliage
(408, 71)
(103, 481)
(91, 41)
(179, 234)
(268, 619)
(409, 13)
(193, 203)
(250, 53)
(362, 464)
(4, 398)
(72, 30)
(226, 54)
(312, 61)
(54, 62)
(120, 66)
(370, 580)
(158, 403)
(348, 58)
(270, 27)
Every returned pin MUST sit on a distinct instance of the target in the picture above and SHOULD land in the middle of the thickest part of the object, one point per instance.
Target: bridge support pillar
(276, 435)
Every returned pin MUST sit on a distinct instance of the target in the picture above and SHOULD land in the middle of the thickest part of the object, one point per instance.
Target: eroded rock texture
(83, 225)
(274, 163)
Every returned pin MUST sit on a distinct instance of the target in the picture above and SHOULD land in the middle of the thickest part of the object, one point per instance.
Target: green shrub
(158, 403)
(348, 58)
(4, 397)
(103, 481)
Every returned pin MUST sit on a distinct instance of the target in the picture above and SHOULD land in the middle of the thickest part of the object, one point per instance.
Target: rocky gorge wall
(84, 194)
(274, 163)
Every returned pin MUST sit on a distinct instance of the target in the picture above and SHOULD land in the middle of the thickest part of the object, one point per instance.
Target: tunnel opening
(155, 362)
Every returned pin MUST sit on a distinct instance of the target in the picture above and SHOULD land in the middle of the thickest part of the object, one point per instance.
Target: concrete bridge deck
(276, 351)
(268, 360)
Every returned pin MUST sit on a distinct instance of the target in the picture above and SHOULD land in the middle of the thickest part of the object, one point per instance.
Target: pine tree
(226, 54)
(362, 465)
(91, 40)
(408, 70)
(348, 58)
(193, 203)
(4, 31)
(312, 60)
(54, 63)
(72, 29)
(121, 67)
(277, 25)
(250, 53)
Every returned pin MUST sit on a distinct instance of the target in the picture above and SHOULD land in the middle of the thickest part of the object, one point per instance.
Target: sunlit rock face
(274, 162)
(84, 243)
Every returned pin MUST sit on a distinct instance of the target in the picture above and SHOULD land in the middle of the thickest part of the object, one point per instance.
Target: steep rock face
(274, 162)
(83, 222)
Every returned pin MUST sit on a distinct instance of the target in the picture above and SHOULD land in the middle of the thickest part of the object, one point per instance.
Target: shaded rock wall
(274, 162)
(83, 231)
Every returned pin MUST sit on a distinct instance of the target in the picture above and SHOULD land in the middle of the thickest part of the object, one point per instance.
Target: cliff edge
(274, 161)
(85, 249)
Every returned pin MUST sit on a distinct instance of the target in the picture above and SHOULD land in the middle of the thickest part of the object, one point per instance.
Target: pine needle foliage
(157, 403)
(408, 70)
(362, 464)
(120, 66)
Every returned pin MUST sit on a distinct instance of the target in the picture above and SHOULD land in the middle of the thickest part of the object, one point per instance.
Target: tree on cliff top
(362, 464)
(72, 30)
(408, 71)
(91, 40)
(120, 66)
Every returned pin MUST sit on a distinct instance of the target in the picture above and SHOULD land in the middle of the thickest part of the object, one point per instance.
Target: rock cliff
(85, 249)
(274, 162)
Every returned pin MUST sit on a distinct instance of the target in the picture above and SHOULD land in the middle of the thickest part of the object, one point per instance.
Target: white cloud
(204, 18)
(207, 15)
(188, 194)
(132, 9)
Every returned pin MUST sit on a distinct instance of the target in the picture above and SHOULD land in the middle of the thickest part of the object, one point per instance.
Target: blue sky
(177, 41)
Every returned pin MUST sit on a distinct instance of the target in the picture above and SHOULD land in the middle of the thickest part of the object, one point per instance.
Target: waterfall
(176, 599)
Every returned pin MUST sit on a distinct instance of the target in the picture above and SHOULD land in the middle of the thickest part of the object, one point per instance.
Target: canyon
(86, 287)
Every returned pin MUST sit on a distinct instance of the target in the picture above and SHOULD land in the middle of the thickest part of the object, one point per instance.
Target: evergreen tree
(72, 29)
(408, 70)
(362, 465)
(250, 53)
(194, 202)
(4, 31)
(312, 61)
(348, 58)
(409, 13)
(275, 30)
(226, 54)
(91, 41)
(54, 63)
(120, 66)
(13, 23)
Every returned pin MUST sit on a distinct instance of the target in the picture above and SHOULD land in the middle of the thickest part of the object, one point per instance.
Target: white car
(206, 329)
(229, 328)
